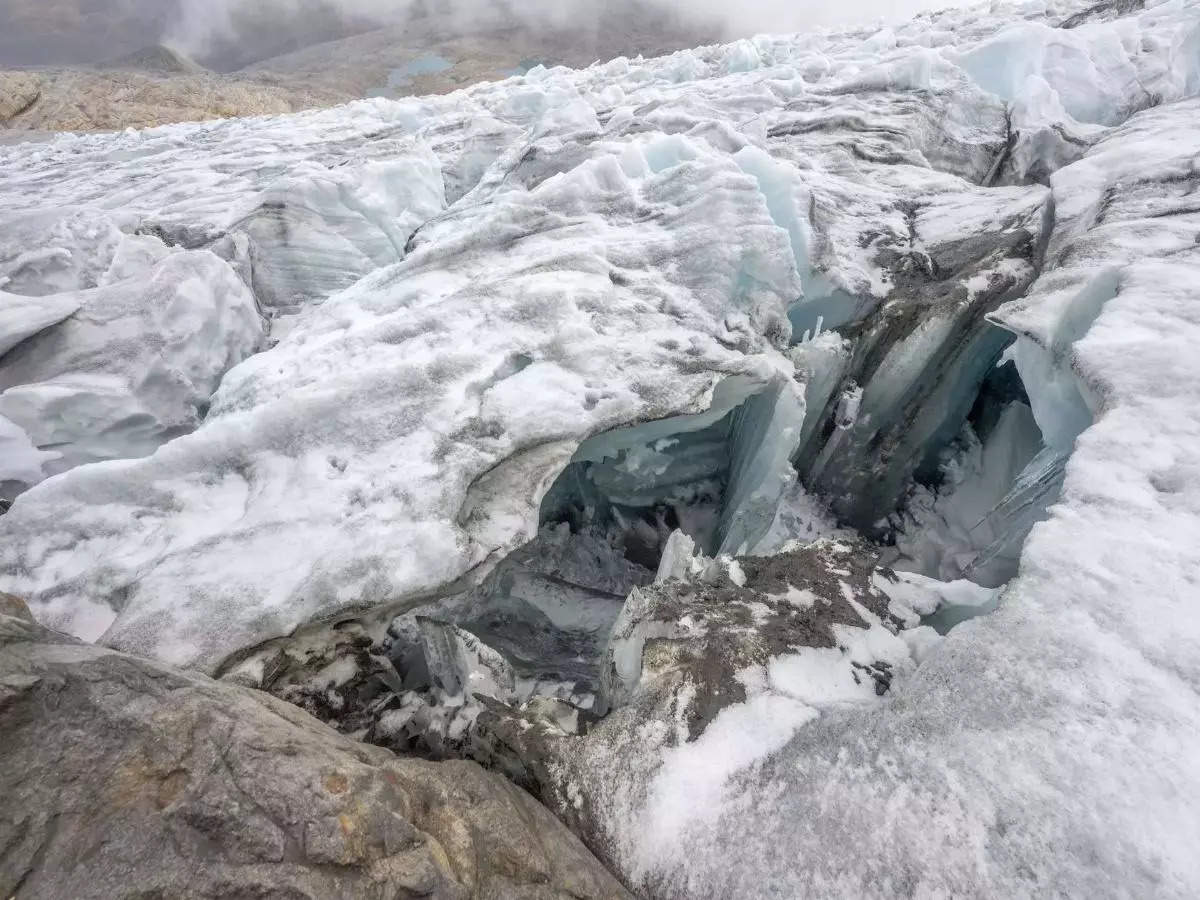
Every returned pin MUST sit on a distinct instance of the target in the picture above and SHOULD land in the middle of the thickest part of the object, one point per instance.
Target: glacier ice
(21, 463)
(718, 475)
(57, 250)
(1067, 718)
(337, 414)
(1088, 69)
(23, 317)
(955, 524)
(128, 365)
(478, 315)
(317, 229)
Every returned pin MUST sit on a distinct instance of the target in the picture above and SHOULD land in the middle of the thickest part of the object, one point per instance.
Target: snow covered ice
(934, 284)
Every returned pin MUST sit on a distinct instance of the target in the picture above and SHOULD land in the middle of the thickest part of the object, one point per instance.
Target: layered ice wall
(718, 476)
(991, 483)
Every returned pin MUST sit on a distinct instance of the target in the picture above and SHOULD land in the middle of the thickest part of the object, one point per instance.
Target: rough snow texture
(397, 435)
(537, 261)
(1051, 746)
(135, 362)
(575, 252)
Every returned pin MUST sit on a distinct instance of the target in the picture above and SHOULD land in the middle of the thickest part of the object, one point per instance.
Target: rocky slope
(328, 59)
(124, 778)
(46, 100)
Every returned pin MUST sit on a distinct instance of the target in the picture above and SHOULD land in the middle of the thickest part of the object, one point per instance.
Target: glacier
(403, 377)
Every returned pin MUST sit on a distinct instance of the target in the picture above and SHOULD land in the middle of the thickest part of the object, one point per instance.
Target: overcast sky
(83, 31)
(201, 20)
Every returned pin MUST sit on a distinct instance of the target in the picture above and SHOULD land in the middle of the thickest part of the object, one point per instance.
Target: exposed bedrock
(537, 625)
(123, 778)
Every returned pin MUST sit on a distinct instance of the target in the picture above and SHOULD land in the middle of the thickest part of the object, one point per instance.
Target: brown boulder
(126, 778)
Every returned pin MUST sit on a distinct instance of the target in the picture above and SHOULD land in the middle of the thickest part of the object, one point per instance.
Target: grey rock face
(18, 92)
(702, 628)
(15, 607)
(125, 778)
(409, 676)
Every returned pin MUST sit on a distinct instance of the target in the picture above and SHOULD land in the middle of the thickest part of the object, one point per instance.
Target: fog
(203, 25)
(227, 34)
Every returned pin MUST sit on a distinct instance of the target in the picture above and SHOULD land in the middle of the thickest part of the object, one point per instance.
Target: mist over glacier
(780, 456)
(228, 34)
(198, 25)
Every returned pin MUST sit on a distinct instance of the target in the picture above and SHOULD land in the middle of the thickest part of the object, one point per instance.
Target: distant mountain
(433, 53)
(114, 98)
(159, 59)
(144, 82)
(78, 32)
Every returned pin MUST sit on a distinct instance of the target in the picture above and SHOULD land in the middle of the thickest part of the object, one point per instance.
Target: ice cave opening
(720, 475)
(716, 475)
(974, 500)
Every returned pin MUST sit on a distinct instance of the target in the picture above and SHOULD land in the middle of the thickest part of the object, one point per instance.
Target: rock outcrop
(18, 92)
(717, 659)
(125, 778)
(118, 98)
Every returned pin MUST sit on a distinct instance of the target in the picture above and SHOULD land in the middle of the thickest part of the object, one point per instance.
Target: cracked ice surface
(465, 289)
(396, 437)
(1052, 746)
